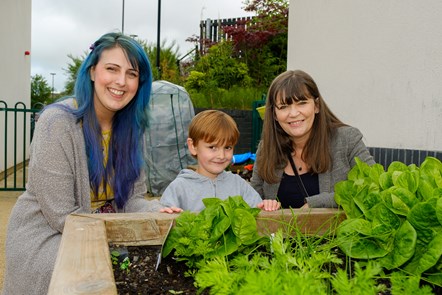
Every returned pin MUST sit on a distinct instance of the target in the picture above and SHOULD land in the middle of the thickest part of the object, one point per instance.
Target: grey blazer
(345, 146)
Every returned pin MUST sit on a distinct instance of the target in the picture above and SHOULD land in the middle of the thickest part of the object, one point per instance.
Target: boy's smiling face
(213, 158)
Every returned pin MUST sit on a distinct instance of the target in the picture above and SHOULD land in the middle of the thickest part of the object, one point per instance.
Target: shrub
(237, 98)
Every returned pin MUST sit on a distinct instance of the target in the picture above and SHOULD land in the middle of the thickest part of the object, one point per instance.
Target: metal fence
(211, 30)
(385, 156)
(22, 119)
(256, 123)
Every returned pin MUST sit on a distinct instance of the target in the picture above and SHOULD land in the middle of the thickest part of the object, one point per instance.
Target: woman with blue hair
(86, 157)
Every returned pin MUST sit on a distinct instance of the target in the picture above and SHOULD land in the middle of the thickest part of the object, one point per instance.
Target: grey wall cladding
(385, 156)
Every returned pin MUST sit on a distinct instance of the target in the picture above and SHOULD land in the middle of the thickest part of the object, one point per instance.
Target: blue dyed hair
(125, 158)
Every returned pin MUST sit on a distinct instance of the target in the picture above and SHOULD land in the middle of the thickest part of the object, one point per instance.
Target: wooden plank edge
(136, 229)
(83, 263)
(312, 221)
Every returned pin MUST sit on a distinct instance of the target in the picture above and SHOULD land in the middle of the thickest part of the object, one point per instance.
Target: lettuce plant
(394, 217)
(226, 255)
(222, 228)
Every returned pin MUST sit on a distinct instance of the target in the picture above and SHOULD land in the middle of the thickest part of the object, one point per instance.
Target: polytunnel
(166, 152)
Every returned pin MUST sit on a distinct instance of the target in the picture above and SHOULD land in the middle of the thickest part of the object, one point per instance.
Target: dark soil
(169, 278)
(142, 278)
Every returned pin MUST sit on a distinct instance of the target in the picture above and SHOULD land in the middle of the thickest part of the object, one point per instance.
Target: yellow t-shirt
(100, 200)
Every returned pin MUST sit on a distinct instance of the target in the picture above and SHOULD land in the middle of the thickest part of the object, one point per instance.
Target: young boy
(212, 136)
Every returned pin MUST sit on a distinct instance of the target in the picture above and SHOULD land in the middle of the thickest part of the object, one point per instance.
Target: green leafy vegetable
(222, 228)
(405, 284)
(361, 283)
(394, 216)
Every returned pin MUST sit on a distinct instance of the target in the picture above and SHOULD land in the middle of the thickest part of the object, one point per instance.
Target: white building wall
(378, 65)
(15, 70)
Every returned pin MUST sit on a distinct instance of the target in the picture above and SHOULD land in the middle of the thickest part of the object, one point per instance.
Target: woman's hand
(171, 210)
(269, 205)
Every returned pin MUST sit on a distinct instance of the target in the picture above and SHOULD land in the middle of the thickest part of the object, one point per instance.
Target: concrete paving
(7, 201)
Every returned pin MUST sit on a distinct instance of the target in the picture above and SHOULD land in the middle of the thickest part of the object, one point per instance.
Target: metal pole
(158, 38)
(52, 92)
(122, 20)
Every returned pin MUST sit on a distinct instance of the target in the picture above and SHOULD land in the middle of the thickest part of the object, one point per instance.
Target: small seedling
(124, 264)
(114, 257)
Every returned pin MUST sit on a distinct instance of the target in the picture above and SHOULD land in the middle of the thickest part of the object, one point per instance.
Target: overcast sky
(62, 27)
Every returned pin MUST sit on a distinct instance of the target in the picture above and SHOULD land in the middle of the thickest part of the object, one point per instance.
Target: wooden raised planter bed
(83, 264)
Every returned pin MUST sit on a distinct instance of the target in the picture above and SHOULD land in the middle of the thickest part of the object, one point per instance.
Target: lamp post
(52, 91)
(158, 39)
(122, 20)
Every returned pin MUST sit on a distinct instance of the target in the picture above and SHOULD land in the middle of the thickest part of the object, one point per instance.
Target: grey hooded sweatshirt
(189, 189)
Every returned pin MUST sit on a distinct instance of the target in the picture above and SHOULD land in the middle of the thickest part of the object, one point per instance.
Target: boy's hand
(269, 205)
(171, 210)
(306, 206)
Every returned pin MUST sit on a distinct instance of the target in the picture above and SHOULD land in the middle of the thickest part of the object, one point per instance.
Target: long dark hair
(294, 86)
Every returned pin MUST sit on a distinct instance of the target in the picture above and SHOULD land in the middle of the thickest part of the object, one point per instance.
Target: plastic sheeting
(166, 151)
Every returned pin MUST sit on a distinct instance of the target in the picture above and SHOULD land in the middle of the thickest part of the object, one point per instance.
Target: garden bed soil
(170, 277)
(142, 278)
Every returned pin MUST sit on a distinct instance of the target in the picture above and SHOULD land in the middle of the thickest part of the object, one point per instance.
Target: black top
(290, 193)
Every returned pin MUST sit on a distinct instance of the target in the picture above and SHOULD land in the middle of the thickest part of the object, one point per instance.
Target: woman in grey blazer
(305, 149)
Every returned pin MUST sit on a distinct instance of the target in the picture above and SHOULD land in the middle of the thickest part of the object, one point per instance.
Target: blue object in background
(253, 157)
(242, 158)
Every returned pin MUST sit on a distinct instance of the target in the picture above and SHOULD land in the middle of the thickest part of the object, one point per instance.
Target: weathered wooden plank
(317, 221)
(83, 263)
(135, 229)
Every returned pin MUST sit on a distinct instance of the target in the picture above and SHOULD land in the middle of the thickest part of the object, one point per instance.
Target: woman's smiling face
(296, 119)
(115, 82)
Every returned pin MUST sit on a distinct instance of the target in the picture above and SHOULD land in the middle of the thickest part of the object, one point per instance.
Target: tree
(261, 42)
(258, 49)
(220, 69)
(168, 61)
(40, 90)
(72, 71)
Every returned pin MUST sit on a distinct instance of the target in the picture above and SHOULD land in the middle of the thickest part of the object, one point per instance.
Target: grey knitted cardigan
(345, 146)
(58, 185)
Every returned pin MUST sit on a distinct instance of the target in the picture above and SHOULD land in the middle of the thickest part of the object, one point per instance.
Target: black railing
(20, 136)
